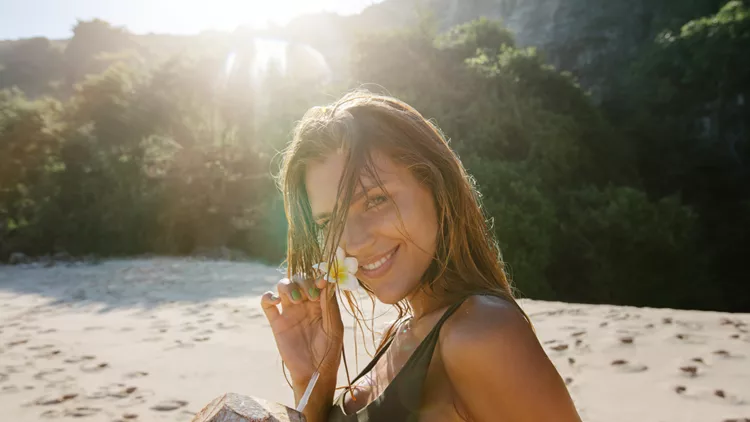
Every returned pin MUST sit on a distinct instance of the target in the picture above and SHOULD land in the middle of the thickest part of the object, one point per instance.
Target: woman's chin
(390, 295)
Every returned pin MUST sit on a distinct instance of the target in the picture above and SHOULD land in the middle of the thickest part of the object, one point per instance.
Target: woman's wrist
(321, 399)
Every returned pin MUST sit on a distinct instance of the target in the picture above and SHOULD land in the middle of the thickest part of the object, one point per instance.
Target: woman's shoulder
(483, 323)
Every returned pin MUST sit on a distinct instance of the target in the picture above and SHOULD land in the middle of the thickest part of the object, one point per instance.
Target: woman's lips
(381, 270)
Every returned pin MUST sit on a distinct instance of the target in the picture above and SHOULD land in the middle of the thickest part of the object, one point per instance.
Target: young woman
(371, 176)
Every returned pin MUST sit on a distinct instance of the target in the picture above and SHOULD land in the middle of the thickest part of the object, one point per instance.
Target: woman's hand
(308, 329)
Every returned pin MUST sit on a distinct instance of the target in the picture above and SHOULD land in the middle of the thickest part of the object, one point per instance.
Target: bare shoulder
(484, 320)
(496, 365)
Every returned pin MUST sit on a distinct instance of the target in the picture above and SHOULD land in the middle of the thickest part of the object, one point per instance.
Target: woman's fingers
(290, 292)
(321, 283)
(308, 287)
(269, 302)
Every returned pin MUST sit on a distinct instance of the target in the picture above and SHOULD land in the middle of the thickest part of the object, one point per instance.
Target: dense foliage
(641, 200)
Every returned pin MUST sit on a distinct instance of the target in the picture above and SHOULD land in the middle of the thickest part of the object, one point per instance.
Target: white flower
(342, 272)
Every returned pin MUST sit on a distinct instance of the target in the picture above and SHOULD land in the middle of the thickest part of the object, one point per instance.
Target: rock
(17, 258)
(233, 407)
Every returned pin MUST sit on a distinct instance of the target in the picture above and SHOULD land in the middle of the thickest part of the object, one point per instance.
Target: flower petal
(348, 281)
(321, 266)
(350, 264)
(340, 254)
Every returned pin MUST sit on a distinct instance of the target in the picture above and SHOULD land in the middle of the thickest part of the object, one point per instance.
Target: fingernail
(314, 292)
(274, 297)
(296, 295)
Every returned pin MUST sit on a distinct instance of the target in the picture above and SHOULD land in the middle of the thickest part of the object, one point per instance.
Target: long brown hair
(467, 259)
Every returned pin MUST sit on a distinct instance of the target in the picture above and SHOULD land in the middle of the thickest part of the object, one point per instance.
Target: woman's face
(393, 254)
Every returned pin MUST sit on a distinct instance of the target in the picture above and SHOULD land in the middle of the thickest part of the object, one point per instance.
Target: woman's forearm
(321, 400)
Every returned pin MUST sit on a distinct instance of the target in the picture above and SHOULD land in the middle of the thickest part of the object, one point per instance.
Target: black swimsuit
(402, 398)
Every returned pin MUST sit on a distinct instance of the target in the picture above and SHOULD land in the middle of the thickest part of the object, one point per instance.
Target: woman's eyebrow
(356, 197)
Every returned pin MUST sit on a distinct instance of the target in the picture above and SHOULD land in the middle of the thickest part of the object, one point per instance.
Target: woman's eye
(323, 225)
(375, 201)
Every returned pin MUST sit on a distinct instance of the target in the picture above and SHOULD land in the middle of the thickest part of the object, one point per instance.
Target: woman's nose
(357, 236)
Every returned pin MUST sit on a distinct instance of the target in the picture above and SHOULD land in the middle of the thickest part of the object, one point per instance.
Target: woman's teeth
(375, 265)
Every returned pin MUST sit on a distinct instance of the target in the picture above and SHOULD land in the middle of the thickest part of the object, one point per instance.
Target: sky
(56, 18)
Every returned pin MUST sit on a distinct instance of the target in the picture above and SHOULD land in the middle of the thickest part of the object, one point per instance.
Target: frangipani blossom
(342, 272)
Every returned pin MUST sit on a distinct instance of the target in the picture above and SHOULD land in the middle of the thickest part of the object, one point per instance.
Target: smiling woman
(370, 178)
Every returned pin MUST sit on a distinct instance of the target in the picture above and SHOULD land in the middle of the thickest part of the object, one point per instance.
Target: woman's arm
(320, 402)
(498, 368)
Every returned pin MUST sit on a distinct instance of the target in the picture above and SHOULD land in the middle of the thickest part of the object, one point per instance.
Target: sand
(157, 339)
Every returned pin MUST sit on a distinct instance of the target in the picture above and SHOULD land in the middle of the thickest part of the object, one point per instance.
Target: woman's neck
(424, 301)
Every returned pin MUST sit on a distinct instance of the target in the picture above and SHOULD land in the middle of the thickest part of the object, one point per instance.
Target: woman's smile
(380, 266)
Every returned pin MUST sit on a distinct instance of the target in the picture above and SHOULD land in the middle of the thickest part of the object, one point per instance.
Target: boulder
(233, 407)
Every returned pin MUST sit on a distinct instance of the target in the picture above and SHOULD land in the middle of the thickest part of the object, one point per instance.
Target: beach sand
(157, 339)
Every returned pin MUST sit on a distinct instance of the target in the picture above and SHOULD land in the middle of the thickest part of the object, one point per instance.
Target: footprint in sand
(52, 374)
(735, 322)
(82, 411)
(93, 328)
(48, 355)
(54, 399)
(151, 339)
(725, 354)
(623, 365)
(136, 374)
(116, 391)
(222, 326)
(692, 326)
(51, 414)
(254, 314)
(94, 366)
(689, 370)
(8, 389)
(718, 395)
(168, 405)
(560, 347)
(79, 359)
(179, 344)
(28, 328)
(41, 347)
(17, 342)
(136, 398)
(690, 338)
(626, 340)
(201, 339)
